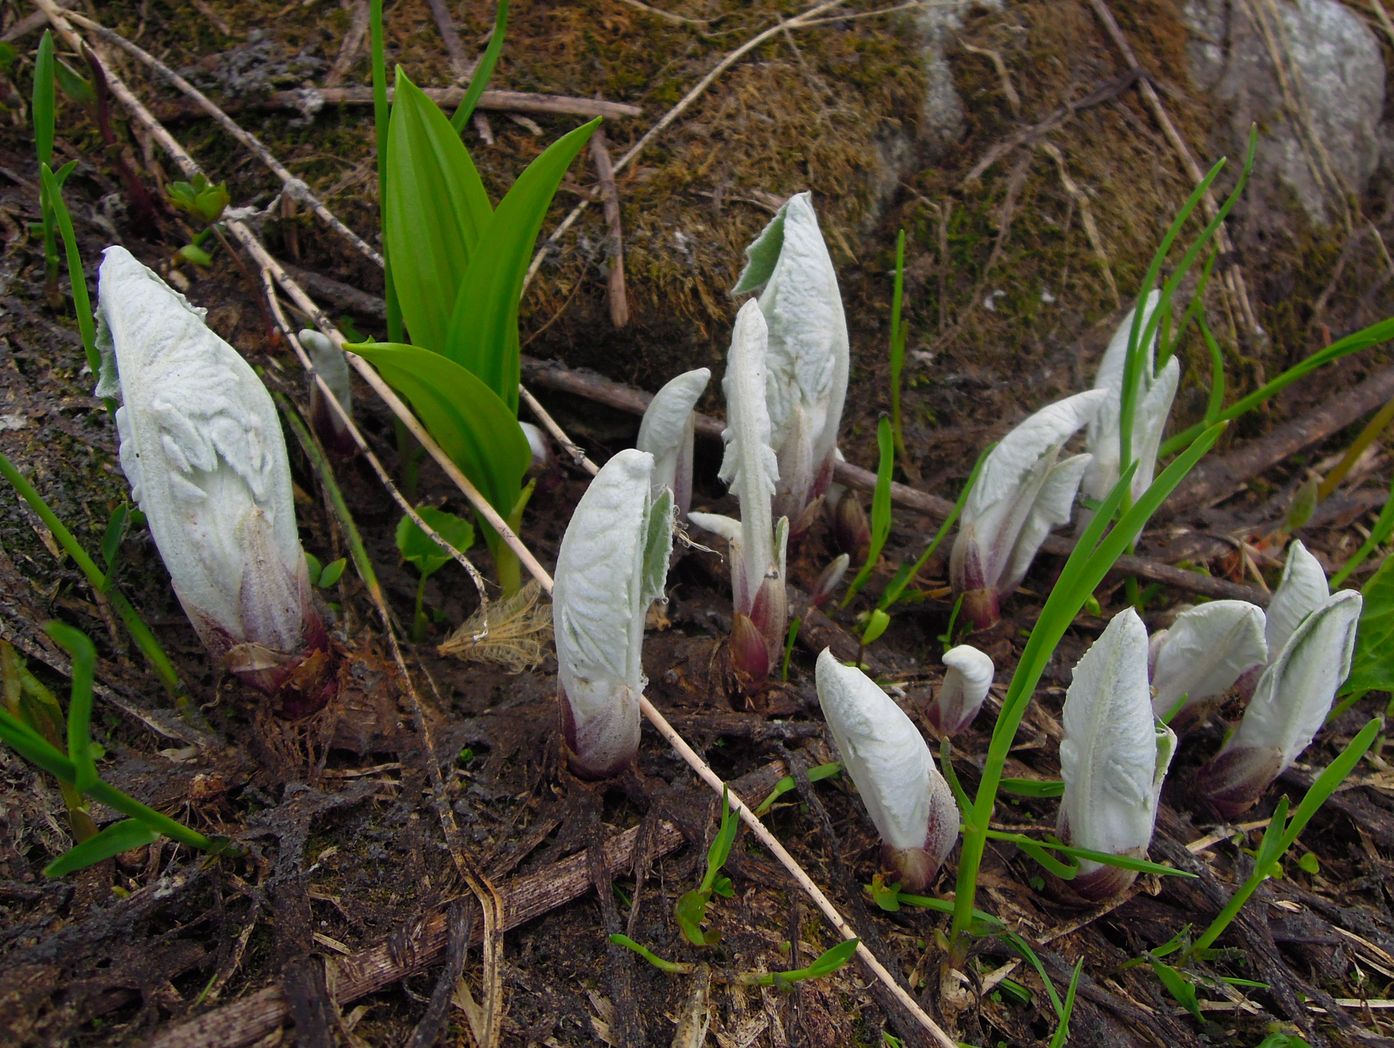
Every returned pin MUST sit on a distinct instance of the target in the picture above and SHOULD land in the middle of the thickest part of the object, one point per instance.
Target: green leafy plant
(1372, 666)
(75, 766)
(204, 202)
(423, 553)
(457, 265)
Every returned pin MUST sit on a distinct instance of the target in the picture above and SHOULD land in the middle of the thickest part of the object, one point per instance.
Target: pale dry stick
(667, 16)
(491, 904)
(605, 176)
(797, 22)
(1233, 280)
(295, 186)
(283, 322)
(1086, 214)
(573, 450)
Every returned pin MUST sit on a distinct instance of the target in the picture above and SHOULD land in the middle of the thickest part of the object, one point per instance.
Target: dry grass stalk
(514, 633)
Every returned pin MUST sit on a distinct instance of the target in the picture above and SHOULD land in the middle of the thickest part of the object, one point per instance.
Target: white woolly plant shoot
(908, 800)
(1289, 706)
(203, 450)
(806, 378)
(1023, 491)
(967, 678)
(1153, 394)
(1199, 658)
(666, 433)
(1113, 757)
(612, 565)
(757, 543)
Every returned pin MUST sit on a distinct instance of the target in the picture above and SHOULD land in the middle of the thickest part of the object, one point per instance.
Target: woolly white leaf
(202, 447)
(808, 346)
(965, 687)
(883, 752)
(1205, 651)
(667, 429)
(1294, 694)
(1302, 589)
(1109, 753)
(610, 564)
(1049, 509)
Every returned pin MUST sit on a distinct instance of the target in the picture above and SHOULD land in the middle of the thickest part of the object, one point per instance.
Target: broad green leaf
(1372, 666)
(470, 423)
(43, 100)
(117, 838)
(483, 331)
(331, 573)
(690, 911)
(420, 549)
(1179, 985)
(434, 211)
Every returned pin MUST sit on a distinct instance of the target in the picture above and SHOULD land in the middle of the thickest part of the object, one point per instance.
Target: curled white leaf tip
(203, 450)
(666, 433)
(1022, 492)
(610, 566)
(887, 759)
(1113, 756)
(789, 264)
(1289, 705)
(1302, 589)
(1203, 654)
(966, 683)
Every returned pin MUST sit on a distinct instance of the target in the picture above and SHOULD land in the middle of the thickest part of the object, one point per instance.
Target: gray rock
(943, 109)
(1332, 71)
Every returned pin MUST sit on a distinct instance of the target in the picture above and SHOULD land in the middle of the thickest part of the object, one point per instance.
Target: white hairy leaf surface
(883, 752)
(612, 562)
(1295, 691)
(966, 683)
(1205, 651)
(1302, 589)
(808, 346)
(666, 430)
(203, 450)
(1108, 756)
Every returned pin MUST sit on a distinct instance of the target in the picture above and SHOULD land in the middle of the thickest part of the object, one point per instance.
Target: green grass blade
(82, 302)
(482, 332)
(483, 71)
(84, 661)
(43, 99)
(1374, 335)
(117, 838)
(898, 346)
(96, 578)
(436, 208)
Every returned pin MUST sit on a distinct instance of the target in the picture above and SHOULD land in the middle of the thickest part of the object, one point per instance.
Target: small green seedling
(324, 576)
(826, 963)
(880, 508)
(204, 202)
(421, 551)
(788, 784)
(691, 908)
(76, 769)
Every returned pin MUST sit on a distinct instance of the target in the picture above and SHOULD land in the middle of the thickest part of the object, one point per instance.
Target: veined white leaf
(1109, 753)
(1294, 694)
(1205, 651)
(886, 757)
(203, 450)
(788, 263)
(966, 682)
(666, 433)
(611, 564)
(1302, 589)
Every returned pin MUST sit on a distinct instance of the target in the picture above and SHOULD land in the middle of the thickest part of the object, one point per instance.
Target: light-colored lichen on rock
(1333, 74)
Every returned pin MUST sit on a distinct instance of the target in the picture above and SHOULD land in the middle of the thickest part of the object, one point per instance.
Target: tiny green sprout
(200, 198)
(691, 908)
(465, 756)
(1309, 863)
(422, 552)
(323, 576)
(876, 622)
